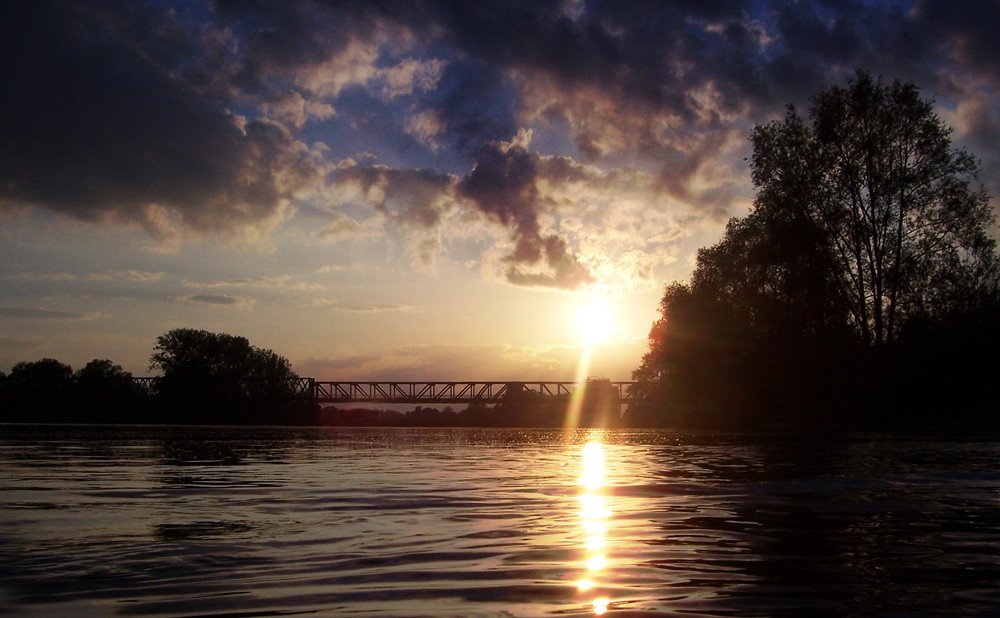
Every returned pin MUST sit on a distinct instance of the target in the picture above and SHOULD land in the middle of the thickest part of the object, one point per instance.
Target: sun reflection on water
(594, 515)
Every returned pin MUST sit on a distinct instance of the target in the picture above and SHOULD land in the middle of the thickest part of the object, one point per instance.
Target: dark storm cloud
(282, 38)
(90, 127)
(475, 103)
(503, 185)
(967, 30)
(196, 112)
(413, 198)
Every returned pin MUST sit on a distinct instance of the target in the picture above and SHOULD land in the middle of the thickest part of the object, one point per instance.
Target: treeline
(862, 291)
(220, 379)
(50, 391)
(207, 378)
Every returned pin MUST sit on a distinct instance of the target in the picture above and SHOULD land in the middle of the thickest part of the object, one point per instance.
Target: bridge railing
(451, 392)
(327, 391)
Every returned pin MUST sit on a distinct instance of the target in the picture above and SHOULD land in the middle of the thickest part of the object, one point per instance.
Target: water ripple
(276, 521)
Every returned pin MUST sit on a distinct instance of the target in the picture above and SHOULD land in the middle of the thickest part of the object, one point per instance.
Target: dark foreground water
(401, 522)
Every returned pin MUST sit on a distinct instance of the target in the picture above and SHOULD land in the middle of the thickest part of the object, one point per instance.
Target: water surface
(168, 521)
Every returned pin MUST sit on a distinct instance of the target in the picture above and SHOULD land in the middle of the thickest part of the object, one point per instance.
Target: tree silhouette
(874, 181)
(106, 392)
(38, 390)
(210, 377)
(857, 286)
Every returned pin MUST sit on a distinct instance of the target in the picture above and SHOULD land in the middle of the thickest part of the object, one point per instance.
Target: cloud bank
(556, 143)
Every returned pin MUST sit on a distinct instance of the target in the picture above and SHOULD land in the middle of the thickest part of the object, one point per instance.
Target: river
(235, 521)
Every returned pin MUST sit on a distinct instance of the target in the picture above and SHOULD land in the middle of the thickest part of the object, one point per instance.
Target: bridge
(455, 392)
(336, 392)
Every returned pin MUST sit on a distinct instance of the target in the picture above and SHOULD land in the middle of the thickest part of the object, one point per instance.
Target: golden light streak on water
(594, 515)
(596, 563)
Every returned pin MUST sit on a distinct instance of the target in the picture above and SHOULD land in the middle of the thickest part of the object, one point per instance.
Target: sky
(424, 190)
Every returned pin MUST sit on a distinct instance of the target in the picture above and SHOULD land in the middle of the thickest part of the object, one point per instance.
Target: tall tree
(38, 390)
(106, 392)
(888, 199)
(864, 270)
(220, 375)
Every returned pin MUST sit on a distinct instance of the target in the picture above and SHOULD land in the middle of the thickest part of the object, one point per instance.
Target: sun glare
(595, 322)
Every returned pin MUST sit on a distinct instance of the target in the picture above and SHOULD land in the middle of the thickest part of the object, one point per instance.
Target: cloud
(343, 227)
(91, 128)
(290, 109)
(431, 363)
(556, 223)
(415, 201)
(215, 299)
(286, 282)
(370, 308)
(452, 362)
(32, 313)
(6, 343)
(503, 185)
(127, 275)
(46, 275)
(195, 119)
(413, 198)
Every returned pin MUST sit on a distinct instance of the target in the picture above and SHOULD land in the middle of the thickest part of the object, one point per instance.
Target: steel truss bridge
(454, 392)
(332, 392)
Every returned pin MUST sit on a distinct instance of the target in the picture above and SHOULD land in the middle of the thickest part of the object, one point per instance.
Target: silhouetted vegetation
(223, 377)
(48, 390)
(861, 291)
(208, 378)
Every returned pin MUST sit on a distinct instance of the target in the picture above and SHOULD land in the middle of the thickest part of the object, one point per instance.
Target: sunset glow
(379, 195)
(595, 323)
(499, 308)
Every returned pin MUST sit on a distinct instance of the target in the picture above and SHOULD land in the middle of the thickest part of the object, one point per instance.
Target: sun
(595, 323)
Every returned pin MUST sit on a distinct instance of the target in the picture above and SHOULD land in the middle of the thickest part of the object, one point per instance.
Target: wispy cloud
(45, 276)
(466, 362)
(127, 275)
(215, 299)
(8, 343)
(286, 282)
(34, 313)
(336, 305)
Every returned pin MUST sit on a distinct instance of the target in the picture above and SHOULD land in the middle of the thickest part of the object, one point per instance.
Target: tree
(103, 373)
(106, 392)
(885, 196)
(220, 376)
(863, 271)
(38, 390)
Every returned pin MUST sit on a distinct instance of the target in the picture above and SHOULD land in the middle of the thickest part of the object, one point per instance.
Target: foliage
(37, 390)
(49, 391)
(864, 272)
(874, 181)
(221, 376)
(106, 391)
